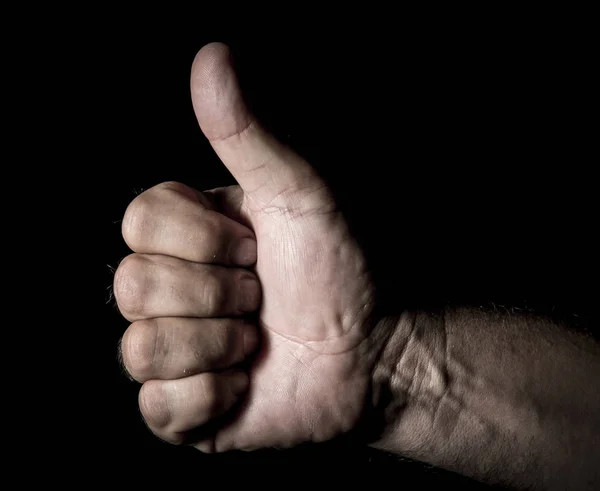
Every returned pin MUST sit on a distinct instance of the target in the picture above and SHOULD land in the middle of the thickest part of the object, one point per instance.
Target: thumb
(267, 170)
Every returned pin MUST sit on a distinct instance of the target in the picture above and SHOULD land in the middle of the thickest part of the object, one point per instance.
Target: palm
(306, 383)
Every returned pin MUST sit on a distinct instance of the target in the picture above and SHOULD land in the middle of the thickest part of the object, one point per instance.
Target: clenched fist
(252, 307)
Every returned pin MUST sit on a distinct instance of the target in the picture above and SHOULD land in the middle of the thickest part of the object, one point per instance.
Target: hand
(186, 291)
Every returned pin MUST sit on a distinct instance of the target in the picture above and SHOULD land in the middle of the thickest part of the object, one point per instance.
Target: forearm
(500, 397)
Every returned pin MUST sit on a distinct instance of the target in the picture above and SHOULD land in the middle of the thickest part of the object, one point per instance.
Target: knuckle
(139, 348)
(130, 285)
(138, 218)
(145, 215)
(175, 190)
(153, 404)
(137, 221)
(178, 190)
(175, 186)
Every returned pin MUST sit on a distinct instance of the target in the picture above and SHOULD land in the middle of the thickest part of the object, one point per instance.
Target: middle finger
(151, 285)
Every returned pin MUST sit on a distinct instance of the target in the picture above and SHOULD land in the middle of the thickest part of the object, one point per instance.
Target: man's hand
(186, 291)
(254, 325)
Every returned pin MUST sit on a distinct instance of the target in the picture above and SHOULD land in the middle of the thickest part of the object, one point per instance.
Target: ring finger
(176, 347)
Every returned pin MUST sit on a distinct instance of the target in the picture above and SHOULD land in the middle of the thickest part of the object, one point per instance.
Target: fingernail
(250, 339)
(249, 293)
(239, 383)
(244, 252)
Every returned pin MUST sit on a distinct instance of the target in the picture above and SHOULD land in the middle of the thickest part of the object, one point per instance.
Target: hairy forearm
(501, 397)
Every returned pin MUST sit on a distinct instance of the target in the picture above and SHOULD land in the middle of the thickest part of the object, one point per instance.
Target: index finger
(175, 220)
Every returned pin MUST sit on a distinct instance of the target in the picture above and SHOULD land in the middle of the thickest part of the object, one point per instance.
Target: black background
(463, 160)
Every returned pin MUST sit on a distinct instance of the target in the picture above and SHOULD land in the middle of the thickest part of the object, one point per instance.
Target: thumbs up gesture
(251, 307)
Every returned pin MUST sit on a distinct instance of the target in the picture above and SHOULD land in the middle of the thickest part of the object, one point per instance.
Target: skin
(254, 324)
(311, 379)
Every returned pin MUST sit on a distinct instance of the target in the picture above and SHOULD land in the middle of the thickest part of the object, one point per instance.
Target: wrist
(409, 381)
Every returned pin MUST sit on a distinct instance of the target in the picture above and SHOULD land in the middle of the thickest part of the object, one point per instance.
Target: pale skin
(254, 324)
